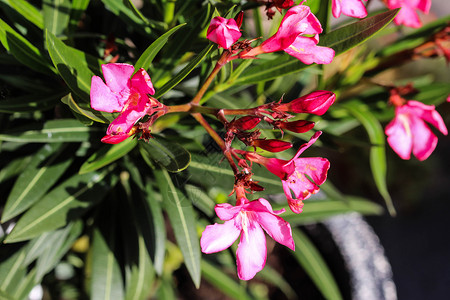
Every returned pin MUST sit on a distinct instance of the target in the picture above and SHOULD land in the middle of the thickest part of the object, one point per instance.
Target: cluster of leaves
(116, 222)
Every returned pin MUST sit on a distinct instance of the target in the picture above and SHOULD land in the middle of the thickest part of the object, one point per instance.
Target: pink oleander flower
(294, 37)
(246, 219)
(408, 132)
(300, 176)
(316, 103)
(407, 14)
(351, 8)
(120, 93)
(224, 32)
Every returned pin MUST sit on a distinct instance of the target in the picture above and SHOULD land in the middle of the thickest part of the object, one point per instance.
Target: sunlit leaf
(56, 15)
(27, 10)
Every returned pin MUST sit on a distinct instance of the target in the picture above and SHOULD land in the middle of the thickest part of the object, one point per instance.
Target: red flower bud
(239, 18)
(245, 123)
(299, 126)
(255, 187)
(271, 145)
(316, 103)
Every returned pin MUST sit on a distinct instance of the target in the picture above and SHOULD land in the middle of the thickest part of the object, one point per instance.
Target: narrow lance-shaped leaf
(56, 15)
(28, 11)
(312, 262)
(42, 172)
(183, 221)
(377, 150)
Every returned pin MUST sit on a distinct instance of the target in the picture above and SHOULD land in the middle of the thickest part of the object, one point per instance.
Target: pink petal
(354, 8)
(400, 136)
(117, 76)
(305, 146)
(226, 211)
(306, 50)
(423, 5)
(219, 237)
(251, 253)
(102, 98)
(114, 139)
(429, 114)
(275, 226)
(142, 83)
(336, 8)
(224, 32)
(424, 141)
(407, 16)
(125, 121)
(315, 167)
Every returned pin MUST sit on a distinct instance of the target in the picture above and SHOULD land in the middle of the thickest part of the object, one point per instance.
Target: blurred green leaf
(149, 54)
(27, 10)
(77, 10)
(172, 156)
(312, 262)
(218, 278)
(53, 131)
(56, 15)
(14, 168)
(107, 154)
(36, 179)
(377, 150)
(30, 103)
(61, 205)
(12, 268)
(271, 276)
(200, 199)
(183, 221)
(23, 50)
(72, 65)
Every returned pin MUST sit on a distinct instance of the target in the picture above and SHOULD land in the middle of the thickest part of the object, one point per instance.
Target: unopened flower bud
(316, 103)
(299, 126)
(224, 32)
(239, 18)
(271, 145)
(246, 123)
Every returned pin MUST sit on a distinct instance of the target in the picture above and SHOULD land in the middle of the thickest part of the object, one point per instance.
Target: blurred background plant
(85, 220)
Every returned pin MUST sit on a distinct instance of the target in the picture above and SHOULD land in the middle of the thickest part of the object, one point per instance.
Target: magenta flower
(300, 176)
(408, 132)
(316, 103)
(294, 37)
(407, 14)
(351, 8)
(246, 219)
(224, 32)
(121, 94)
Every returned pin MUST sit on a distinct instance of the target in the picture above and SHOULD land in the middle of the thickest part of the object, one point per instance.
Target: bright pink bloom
(121, 94)
(408, 131)
(351, 8)
(224, 32)
(290, 37)
(407, 14)
(293, 174)
(246, 219)
(316, 103)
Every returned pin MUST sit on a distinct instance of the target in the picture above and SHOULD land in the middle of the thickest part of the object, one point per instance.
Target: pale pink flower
(120, 93)
(294, 37)
(351, 8)
(300, 176)
(246, 219)
(224, 32)
(408, 132)
(407, 14)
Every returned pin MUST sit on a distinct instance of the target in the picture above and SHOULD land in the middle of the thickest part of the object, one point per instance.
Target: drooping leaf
(72, 65)
(377, 150)
(56, 15)
(183, 221)
(172, 156)
(53, 131)
(314, 265)
(43, 171)
(107, 154)
(23, 50)
(64, 203)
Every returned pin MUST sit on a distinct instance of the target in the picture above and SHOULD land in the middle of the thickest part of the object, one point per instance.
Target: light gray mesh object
(369, 270)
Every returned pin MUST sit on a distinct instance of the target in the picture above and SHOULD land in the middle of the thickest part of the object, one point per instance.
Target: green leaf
(172, 156)
(28, 11)
(183, 221)
(318, 210)
(200, 199)
(107, 154)
(183, 73)
(312, 262)
(72, 65)
(88, 112)
(340, 40)
(377, 150)
(43, 171)
(54, 131)
(30, 103)
(23, 50)
(77, 10)
(56, 15)
(12, 268)
(223, 282)
(271, 276)
(64, 203)
(14, 168)
(149, 54)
